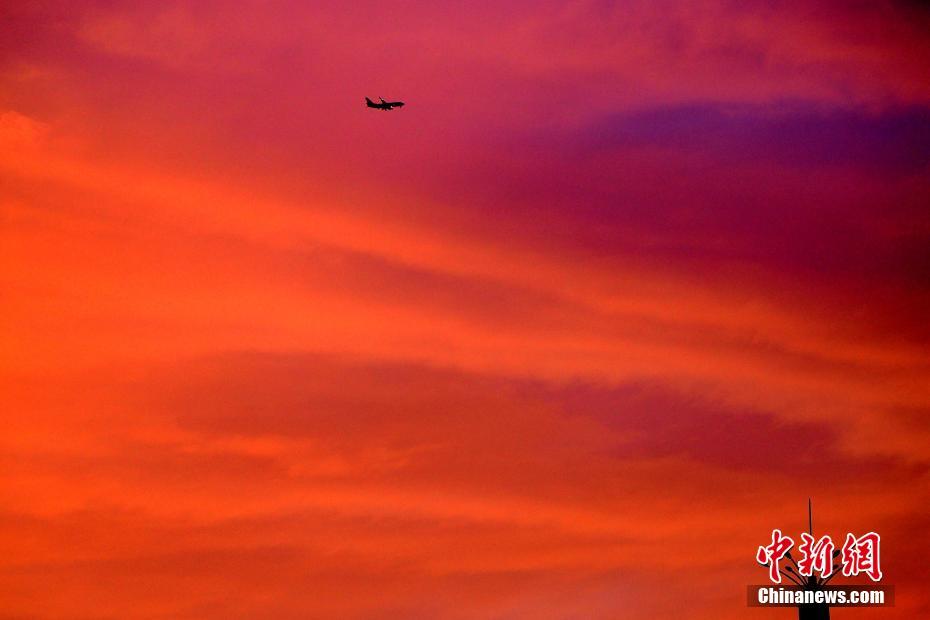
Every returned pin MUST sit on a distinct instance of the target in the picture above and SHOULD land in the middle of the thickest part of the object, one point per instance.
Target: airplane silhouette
(384, 105)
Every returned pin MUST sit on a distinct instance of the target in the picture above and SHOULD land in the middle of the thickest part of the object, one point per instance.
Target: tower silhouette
(812, 611)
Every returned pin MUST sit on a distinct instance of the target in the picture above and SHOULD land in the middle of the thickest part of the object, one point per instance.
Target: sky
(618, 290)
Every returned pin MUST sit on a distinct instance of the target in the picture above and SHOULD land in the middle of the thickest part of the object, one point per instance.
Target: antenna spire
(810, 517)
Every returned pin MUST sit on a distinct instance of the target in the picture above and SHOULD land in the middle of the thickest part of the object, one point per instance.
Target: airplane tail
(369, 101)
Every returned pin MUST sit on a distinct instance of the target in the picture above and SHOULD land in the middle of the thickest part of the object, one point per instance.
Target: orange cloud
(266, 354)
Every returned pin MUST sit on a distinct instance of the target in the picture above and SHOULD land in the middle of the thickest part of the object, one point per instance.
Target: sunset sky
(620, 287)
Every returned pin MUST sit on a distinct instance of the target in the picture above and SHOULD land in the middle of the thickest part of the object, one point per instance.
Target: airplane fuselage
(384, 105)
